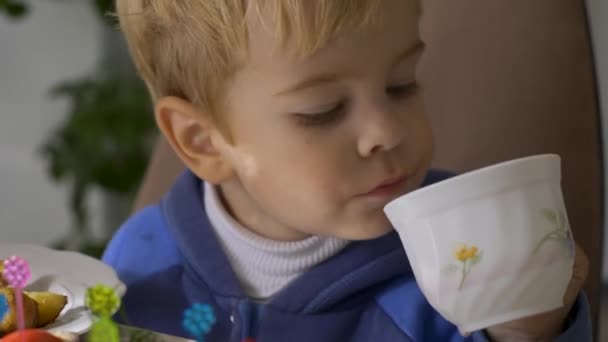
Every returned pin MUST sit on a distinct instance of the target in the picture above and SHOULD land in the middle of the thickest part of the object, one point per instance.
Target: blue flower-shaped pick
(198, 320)
(4, 308)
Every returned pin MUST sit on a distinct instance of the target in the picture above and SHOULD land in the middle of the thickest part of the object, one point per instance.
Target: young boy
(299, 121)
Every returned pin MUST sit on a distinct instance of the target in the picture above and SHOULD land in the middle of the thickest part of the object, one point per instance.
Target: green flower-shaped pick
(104, 330)
(102, 300)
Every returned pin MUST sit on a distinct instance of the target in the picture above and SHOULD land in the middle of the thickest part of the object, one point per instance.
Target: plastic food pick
(3, 307)
(17, 274)
(104, 330)
(102, 300)
(198, 320)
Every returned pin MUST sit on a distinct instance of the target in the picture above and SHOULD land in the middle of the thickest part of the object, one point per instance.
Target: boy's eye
(321, 118)
(402, 90)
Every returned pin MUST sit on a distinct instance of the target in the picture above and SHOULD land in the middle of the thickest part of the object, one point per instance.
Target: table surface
(127, 333)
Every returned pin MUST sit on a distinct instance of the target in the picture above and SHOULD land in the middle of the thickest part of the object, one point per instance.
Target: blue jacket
(169, 258)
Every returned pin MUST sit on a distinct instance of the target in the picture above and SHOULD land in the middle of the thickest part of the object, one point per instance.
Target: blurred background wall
(73, 114)
(57, 40)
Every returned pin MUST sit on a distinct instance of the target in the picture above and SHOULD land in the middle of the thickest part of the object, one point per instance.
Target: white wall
(57, 41)
(598, 13)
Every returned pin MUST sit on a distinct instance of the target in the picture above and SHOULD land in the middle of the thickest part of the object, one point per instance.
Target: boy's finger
(579, 276)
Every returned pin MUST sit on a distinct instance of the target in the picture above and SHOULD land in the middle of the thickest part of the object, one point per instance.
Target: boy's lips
(388, 188)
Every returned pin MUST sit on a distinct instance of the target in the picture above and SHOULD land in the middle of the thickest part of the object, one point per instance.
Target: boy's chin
(368, 232)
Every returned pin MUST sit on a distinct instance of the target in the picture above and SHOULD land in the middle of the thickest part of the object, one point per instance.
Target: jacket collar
(361, 265)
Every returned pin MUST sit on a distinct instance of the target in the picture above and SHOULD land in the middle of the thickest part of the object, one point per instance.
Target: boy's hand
(546, 326)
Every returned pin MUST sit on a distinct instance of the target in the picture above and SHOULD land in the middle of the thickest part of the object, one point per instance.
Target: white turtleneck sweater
(265, 266)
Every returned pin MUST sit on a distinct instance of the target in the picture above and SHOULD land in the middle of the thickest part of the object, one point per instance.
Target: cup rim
(465, 178)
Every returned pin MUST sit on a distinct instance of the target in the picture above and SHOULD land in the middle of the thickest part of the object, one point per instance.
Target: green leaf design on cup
(559, 233)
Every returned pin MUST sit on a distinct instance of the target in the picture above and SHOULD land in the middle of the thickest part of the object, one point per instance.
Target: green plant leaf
(61, 244)
(16, 10)
(104, 142)
(93, 249)
(105, 8)
(13, 8)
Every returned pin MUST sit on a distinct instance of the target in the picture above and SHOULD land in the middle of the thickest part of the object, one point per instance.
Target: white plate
(66, 273)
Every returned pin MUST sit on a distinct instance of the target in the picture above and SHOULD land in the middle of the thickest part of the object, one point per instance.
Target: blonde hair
(191, 48)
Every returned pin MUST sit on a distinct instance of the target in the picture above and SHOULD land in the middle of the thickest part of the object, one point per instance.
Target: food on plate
(40, 309)
(66, 336)
(35, 335)
(31, 335)
(2, 280)
(49, 306)
(8, 323)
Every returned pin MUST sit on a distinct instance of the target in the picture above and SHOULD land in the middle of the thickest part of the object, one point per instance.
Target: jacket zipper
(248, 313)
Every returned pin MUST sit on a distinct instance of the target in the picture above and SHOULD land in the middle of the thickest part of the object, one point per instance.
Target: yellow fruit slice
(2, 281)
(8, 323)
(49, 306)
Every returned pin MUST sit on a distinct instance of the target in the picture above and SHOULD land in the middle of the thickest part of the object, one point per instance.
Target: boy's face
(321, 144)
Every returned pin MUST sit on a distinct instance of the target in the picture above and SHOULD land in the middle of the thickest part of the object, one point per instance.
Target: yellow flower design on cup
(463, 253)
(468, 257)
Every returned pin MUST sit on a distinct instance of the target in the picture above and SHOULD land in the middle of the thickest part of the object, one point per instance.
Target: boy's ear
(194, 137)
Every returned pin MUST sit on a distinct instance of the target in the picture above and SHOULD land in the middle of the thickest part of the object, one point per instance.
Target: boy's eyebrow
(310, 82)
(328, 78)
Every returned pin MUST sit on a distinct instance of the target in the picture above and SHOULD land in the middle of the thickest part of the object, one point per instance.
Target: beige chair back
(511, 78)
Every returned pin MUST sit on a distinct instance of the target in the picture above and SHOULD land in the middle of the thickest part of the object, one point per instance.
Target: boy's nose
(381, 131)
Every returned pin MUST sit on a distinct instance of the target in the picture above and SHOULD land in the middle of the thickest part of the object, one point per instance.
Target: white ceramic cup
(492, 245)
